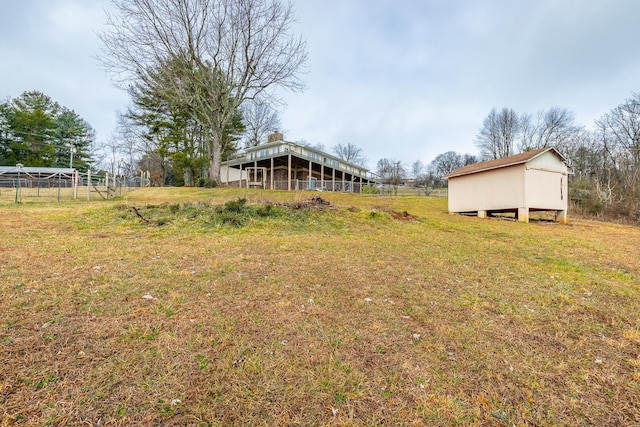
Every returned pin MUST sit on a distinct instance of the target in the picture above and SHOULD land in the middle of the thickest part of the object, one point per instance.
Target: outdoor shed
(531, 181)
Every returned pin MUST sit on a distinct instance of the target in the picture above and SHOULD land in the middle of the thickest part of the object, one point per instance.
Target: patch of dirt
(402, 216)
(314, 202)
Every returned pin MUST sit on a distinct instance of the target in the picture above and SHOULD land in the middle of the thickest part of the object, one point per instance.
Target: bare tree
(553, 128)
(469, 159)
(425, 177)
(587, 155)
(351, 153)
(417, 169)
(620, 131)
(391, 172)
(260, 120)
(130, 143)
(317, 146)
(447, 162)
(497, 136)
(209, 56)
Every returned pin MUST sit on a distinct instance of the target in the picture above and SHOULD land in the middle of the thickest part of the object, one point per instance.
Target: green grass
(261, 314)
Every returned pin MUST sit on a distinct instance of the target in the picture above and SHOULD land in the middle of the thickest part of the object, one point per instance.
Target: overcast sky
(402, 79)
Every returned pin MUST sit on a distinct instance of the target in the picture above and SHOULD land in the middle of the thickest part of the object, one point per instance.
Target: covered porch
(288, 166)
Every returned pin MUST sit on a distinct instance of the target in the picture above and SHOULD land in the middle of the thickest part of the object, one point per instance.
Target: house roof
(504, 162)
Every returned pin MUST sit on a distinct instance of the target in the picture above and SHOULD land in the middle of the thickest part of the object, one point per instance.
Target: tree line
(37, 131)
(424, 176)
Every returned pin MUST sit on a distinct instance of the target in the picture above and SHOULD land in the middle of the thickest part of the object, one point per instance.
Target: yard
(168, 307)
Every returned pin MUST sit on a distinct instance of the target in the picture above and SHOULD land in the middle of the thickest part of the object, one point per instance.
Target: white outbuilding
(527, 182)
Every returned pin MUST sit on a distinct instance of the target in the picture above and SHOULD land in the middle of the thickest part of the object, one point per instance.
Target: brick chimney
(275, 136)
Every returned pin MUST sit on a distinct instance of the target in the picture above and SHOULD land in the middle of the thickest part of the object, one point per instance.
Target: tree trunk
(188, 176)
(215, 156)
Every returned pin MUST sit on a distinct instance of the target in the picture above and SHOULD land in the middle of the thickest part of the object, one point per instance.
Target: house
(527, 182)
(283, 165)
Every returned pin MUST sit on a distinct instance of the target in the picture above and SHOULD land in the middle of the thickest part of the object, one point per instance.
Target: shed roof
(504, 162)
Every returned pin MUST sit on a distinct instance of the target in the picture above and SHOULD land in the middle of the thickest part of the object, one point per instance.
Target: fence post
(75, 184)
(19, 166)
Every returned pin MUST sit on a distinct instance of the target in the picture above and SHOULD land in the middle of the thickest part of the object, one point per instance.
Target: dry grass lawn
(346, 315)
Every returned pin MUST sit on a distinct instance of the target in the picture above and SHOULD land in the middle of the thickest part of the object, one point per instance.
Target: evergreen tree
(37, 131)
(72, 133)
(176, 140)
(33, 125)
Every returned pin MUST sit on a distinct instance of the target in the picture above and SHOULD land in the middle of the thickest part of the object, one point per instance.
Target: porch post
(240, 182)
(333, 179)
(322, 176)
(289, 174)
(272, 173)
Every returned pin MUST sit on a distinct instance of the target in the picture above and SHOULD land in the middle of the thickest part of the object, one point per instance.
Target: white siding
(548, 161)
(491, 190)
(541, 184)
(546, 189)
(234, 174)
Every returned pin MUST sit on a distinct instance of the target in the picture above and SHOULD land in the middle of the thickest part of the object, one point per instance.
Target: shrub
(237, 205)
(205, 182)
(370, 189)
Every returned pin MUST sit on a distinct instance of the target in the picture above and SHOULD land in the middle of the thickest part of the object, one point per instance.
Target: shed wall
(548, 161)
(491, 190)
(546, 189)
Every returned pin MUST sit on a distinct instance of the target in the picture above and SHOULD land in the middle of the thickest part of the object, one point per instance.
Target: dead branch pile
(402, 216)
(314, 202)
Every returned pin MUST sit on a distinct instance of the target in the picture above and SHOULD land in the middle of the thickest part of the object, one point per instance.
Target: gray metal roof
(35, 170)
